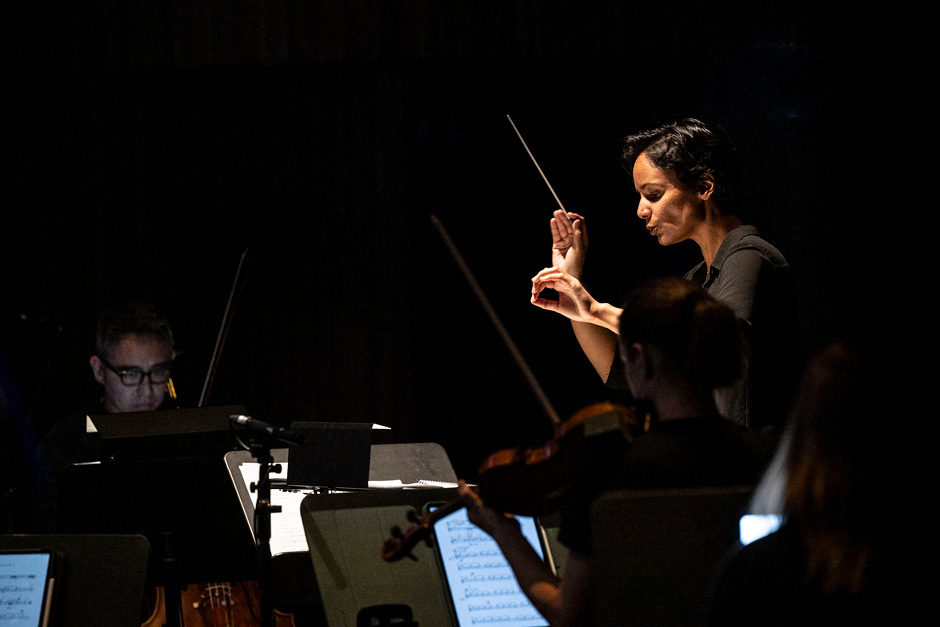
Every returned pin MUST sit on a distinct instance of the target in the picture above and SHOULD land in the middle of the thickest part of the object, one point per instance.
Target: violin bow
(507, 339)
(544, 178)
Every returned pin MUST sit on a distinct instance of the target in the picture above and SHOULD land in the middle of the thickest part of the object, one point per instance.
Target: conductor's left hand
(573, 302)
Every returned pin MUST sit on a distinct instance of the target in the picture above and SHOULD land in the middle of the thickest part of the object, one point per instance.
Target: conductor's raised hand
(569, 242)
(573, 302)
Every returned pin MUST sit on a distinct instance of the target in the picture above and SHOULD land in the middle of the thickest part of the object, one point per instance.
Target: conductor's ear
(706, 186)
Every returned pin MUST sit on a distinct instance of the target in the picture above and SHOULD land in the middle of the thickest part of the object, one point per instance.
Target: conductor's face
(135, 375)
(670, 210)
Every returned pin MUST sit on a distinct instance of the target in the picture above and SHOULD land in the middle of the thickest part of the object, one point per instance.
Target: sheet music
(483, 587)
(22, 584)
(287, 528)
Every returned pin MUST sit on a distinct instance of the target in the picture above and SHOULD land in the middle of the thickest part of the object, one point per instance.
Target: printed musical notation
(17, 591)
(22, 584)
(483, 587)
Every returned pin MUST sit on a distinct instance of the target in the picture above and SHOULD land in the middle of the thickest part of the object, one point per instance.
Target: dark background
(149, 145)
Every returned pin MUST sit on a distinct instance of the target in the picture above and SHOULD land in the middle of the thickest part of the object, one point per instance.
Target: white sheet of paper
(287, 527)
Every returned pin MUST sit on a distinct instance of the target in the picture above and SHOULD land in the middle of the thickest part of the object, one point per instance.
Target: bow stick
(494, 318)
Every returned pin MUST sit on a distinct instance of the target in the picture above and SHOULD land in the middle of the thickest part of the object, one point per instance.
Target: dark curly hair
(691, 149)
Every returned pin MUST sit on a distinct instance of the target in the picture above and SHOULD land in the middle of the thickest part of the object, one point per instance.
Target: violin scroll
(401, 542)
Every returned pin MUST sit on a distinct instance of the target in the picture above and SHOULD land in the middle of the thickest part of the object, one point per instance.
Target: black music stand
(166, 434)
(332, 455)
(101, 580)
(345, 533)
(293, 582)
(164, 478)
(261, 447)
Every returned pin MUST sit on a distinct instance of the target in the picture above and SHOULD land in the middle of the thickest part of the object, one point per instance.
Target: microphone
(271, 431)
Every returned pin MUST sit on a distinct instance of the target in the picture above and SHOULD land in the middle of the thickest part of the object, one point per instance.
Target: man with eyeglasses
(133, 357)
(132, 362)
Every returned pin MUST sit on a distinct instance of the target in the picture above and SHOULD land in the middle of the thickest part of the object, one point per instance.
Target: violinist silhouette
(677, 344)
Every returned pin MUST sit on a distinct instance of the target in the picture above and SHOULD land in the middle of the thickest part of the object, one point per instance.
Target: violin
(532, 481)
(528, 481)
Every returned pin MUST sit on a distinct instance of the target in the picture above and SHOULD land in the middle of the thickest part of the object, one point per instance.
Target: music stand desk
(164, 476)
(294, 583)
(345, 533)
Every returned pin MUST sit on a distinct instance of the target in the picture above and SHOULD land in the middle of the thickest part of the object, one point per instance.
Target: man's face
(133, 352)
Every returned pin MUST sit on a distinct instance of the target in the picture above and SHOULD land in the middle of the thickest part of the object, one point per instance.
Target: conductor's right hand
(569, 242)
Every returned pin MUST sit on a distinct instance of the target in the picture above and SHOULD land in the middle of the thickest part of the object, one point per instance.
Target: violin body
(532, 481)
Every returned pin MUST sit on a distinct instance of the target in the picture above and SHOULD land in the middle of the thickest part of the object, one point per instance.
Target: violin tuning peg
(411, 557)
(396, 532)
(412, 516)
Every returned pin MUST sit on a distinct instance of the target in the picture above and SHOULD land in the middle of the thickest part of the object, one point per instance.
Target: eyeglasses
(130, 377)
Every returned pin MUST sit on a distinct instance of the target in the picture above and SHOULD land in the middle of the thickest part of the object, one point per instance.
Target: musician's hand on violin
(536, 578)
(569, 242)
(486, 518)
(574, 301)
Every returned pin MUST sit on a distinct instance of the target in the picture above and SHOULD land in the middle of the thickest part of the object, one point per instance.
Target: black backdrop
(147, 146)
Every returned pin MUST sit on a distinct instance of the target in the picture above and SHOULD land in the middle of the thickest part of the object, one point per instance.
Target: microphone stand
(260, 447)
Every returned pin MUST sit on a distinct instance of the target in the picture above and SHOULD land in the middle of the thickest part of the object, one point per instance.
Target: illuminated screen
(482, 586)
(23, 589)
